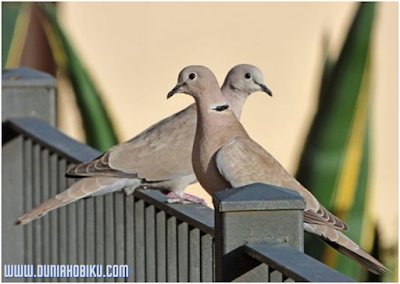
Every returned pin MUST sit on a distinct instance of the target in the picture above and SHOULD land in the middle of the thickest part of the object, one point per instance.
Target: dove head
(243, 80)
(196, 81)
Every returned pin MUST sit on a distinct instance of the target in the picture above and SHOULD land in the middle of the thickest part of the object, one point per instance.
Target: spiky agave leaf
(334, 164)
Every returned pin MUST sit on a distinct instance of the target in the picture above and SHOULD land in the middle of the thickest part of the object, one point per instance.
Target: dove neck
(215, 118)
(235, 98)
(217, 107)
(212, 101)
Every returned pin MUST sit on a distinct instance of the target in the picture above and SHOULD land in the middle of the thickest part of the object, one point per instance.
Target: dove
(224, 156)
(158, 158)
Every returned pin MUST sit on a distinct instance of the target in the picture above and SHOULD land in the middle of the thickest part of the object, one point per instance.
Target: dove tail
(346, 246)
(73, 193)
(86, 187)
(41, 210)
(360, 256)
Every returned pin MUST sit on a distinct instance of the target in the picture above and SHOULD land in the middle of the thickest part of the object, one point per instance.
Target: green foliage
(9, 15)
(98, 127)
(97, 124)
(334, 164)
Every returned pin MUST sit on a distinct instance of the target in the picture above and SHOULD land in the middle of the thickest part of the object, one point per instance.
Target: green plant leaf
(15, 18)
(334, 164)
(97, 124)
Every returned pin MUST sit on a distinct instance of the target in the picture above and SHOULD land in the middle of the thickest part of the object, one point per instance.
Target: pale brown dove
(157, 158)
(224, 156)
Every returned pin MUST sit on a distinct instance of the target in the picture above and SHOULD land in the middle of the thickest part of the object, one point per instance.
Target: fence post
(254, 214)
(25, 93)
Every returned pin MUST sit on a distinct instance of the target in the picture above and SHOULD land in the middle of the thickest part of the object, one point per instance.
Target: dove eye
(192, 76)
(247, 75)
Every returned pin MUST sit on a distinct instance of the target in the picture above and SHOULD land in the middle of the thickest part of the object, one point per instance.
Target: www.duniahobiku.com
(66, 271)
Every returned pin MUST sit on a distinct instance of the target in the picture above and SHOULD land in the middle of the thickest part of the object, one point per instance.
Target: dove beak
(176, 89)
(265, 89)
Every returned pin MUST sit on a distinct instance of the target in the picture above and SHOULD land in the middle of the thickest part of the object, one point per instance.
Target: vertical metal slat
(139, 241)
(53, 216)
(119, 211)
(90, 238)
(37, 225)
(100, 233)
(172, 249)
(45, 190)
(207, 255)
(194, 255)
(72, 231)
(161, 259)
(109, 232)
(183, 248)
(130, 236)
(62, 218)
(28, 201)
(150, 241)
(80, 234)
(287, 279)
(274, 275)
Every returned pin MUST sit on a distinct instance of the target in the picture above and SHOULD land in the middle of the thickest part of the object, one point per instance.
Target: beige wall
(135, 50)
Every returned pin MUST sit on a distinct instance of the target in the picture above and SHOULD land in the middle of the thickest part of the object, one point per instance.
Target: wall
(135, 50)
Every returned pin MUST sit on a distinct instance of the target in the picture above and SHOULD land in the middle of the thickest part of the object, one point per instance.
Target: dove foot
(184, 198)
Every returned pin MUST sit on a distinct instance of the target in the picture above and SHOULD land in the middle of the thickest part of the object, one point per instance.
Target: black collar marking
(221, 108)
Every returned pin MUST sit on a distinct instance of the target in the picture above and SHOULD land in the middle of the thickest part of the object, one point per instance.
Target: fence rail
(292, 264)
(254, 234)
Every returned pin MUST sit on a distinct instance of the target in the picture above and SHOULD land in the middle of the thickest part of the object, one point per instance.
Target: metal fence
(254, 234)
(158, 241)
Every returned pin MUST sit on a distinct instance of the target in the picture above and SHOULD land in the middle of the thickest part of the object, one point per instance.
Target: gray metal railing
(254, 234)
(286, 262)
(158, 241)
